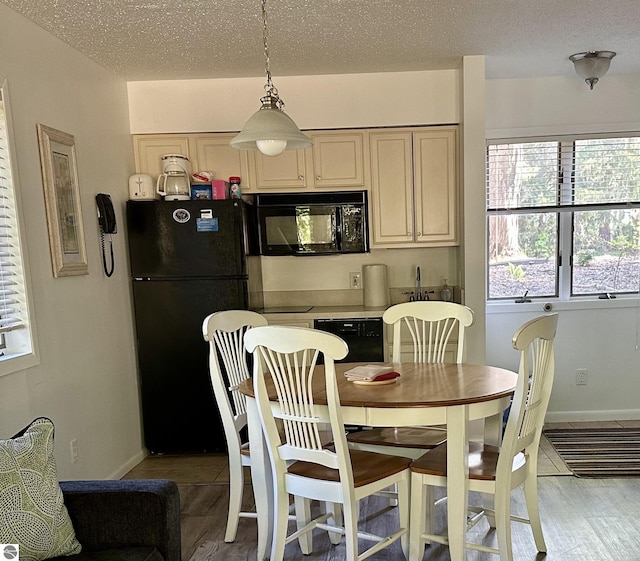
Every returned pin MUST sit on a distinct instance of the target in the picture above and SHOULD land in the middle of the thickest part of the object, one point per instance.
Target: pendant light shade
(592, 65)
(270, 129)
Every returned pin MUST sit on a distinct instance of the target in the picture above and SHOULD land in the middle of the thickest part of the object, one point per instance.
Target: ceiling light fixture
(592, 65)
(270, 129)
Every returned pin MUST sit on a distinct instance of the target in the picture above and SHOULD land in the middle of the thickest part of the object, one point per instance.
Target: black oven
(313, 223)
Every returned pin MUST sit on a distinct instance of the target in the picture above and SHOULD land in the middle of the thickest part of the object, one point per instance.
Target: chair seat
(401, 437)
(483, 461)
(367, 467)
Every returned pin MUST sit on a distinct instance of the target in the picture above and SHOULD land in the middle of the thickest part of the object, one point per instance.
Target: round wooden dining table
(424, 394)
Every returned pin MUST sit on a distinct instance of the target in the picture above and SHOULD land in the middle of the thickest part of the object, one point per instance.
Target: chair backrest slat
(535, 341)
(228, 366)
(432, 326)
(287, 358)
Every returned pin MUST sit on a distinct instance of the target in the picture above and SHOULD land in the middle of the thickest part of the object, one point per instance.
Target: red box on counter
(219, 189)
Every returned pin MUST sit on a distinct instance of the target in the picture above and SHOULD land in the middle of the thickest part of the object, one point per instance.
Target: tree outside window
(563, 203)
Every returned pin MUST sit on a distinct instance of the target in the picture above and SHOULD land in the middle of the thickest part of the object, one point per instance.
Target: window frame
(21, 351)
(565, 210)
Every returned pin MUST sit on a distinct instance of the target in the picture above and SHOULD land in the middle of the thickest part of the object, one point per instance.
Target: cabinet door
(148, 149)
(391, 189)
(214, 154)
(435, 180)
(284, 172)
(338, 159)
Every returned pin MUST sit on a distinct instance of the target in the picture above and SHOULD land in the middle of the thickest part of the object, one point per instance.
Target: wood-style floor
(583, 519)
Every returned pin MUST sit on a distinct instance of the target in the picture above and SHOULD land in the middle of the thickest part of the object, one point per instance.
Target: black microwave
(313, 223)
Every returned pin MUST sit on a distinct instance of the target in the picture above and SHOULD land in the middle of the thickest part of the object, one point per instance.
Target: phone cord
(107, 271)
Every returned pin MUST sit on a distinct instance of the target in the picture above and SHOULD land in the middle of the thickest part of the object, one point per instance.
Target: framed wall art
(62, 202)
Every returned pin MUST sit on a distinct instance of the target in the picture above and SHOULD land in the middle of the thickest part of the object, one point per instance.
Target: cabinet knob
(419, 234)
(318, 177)
(301, 177)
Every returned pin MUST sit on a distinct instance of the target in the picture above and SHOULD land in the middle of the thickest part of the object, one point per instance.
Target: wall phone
(106, 214)
(108, 225)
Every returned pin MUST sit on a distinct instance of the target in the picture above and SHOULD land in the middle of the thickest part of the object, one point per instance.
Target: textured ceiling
(184, 39)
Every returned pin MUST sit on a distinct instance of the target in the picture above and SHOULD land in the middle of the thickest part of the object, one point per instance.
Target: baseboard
(603, 415)
(129, 465)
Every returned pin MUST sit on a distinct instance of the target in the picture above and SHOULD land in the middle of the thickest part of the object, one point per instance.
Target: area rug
(611, 452)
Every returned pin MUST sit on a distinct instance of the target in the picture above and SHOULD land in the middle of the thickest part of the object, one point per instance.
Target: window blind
(12, 294)
(563, 175)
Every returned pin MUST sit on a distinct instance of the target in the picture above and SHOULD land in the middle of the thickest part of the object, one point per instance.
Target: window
(14, 320)
(563, 217)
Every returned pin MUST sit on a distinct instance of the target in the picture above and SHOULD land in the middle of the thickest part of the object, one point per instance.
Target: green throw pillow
(32, 511)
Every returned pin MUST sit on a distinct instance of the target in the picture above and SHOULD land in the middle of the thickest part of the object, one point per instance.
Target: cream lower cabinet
(414, 187)
(406, 346)
(307, 323)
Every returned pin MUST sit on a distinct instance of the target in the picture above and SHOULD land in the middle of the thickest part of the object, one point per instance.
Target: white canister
(375, 284)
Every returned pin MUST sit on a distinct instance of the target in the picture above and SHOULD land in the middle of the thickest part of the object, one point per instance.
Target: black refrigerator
(188, 260)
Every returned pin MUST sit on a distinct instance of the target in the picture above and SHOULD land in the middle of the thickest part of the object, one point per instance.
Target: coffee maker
(174, 183)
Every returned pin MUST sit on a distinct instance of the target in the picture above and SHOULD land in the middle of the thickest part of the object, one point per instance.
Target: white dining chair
(497, 471)
(284, 362)
(228, 368)
(437, 331)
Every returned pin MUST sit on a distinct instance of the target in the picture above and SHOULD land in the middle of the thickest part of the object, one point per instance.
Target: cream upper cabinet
(213, 153)
(435, 179)
(286, 172)
(391, 196)
(414, 187)
(206, 152)
(149, 148)
(339, 160)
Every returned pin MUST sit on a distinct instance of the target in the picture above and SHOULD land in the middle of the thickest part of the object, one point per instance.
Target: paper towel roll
(376, 289)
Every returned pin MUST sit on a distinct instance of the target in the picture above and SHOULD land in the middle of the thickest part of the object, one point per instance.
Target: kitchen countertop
(324, 312)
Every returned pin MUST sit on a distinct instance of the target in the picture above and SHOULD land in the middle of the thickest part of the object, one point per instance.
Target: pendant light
(270, 129)
(592, 65)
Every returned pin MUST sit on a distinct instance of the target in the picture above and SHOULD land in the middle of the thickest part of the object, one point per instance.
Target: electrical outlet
(581, 377)
(73, 445)
(355, 280)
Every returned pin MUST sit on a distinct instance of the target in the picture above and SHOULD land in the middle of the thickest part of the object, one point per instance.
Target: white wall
(86, 381)
(313, 102)
(602, 337)
(473, 177)
(332, 272)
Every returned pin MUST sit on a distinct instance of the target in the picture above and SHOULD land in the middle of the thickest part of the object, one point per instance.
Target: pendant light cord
(269, 88)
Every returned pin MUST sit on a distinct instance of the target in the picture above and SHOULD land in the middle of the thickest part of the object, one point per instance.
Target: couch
(124, 520)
